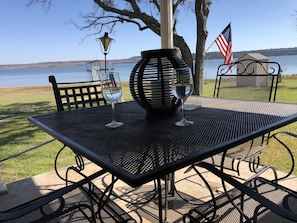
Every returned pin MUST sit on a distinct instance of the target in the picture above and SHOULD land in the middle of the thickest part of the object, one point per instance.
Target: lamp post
(105, 41)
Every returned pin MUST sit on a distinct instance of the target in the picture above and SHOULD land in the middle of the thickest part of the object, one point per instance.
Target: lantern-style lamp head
(106, 41)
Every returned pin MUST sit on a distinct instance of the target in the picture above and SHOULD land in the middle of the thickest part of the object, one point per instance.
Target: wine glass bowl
(182, 88)
(112, 91)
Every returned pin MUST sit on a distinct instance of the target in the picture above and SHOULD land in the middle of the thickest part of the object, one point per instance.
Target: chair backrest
(76, 95)
(248, 79)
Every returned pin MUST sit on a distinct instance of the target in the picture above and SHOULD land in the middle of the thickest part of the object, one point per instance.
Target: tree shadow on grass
(16, 131)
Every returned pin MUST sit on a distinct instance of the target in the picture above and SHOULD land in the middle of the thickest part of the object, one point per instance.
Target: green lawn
(17, 133)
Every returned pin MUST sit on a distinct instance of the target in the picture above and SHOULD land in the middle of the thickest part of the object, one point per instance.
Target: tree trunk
(185, 50)
(201, 11)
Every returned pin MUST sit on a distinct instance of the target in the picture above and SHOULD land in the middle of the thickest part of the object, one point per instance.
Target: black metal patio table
(144, 149)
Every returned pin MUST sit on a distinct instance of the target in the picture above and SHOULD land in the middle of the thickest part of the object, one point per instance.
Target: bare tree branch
(145, 14)
(45, 3)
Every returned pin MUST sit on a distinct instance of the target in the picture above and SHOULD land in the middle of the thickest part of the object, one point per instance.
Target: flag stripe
(224, 43)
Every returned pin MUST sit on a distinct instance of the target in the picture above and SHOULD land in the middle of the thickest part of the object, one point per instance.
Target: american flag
(224, 42)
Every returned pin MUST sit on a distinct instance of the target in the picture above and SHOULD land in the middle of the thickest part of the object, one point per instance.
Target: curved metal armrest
(245, 189)
(283, 132)
(35, 204)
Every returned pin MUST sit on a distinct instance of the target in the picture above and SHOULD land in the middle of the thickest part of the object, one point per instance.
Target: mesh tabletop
(147, 148)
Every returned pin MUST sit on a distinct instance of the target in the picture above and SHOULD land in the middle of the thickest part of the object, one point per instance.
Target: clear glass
(182, 88)
(112, 91)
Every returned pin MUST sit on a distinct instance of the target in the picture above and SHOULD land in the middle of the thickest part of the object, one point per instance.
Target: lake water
(39, 76)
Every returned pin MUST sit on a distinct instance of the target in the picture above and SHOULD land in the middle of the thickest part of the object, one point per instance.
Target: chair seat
(282, 201)
(71, 207)
(79, 202)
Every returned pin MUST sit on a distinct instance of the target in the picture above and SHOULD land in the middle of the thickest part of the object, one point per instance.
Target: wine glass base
(114, 124)
(184, 122)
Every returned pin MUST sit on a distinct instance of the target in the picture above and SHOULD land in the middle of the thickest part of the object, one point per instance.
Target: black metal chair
(256, 200)
(78, 200)
(72, 96)
(246, 79)
(250, 80)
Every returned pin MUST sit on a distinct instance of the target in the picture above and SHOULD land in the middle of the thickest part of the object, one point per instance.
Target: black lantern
(105, 41)
(150, 82)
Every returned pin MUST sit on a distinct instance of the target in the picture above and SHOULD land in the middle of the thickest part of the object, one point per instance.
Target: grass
(18, 134)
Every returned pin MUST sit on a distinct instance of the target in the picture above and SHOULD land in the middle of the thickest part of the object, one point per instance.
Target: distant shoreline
(65, 63)
(266, 52)
(209, 56)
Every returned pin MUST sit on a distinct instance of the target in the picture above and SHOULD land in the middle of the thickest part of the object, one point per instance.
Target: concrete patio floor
(189, 185)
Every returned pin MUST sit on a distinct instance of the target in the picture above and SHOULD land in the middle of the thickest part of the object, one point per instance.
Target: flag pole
(210, 45)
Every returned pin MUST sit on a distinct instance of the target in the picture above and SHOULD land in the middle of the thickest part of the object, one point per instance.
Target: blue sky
(30, 35)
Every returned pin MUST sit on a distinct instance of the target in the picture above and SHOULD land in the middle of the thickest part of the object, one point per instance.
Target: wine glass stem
(113, 111)
(183, 109)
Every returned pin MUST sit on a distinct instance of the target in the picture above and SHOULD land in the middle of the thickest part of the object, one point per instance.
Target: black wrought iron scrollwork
(286, 147)
(79, 167)
(254, 162)
(80, 164)
(247, 67)
(56, 163)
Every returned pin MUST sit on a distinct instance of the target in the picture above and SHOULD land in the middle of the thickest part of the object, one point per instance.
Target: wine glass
(112, 91)
(182, 88)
